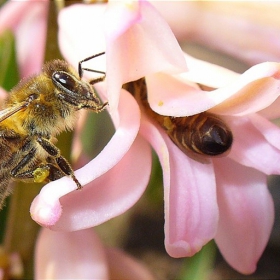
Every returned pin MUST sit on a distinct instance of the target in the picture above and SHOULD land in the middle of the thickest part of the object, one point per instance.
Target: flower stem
(199, 266)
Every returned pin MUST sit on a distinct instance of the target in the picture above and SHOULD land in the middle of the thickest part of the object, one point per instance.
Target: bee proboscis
(199, 136)
(37, 109)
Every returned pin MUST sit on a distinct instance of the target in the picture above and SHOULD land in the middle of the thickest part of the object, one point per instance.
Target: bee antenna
(81, 69)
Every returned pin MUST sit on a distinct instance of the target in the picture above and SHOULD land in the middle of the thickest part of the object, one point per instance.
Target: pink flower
(253, 36)
(227, 199)
(47, 209)
(27, 19)
(81, 255)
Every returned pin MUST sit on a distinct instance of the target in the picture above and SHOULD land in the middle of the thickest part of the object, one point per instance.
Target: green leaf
(9, 75)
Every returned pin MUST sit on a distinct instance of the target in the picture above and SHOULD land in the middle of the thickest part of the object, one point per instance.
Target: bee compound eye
(64, 80)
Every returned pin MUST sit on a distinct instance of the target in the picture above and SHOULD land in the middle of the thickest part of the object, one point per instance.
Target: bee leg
(23, 163)
(55, 172)
(37, 174)
(43, 172)
(94, 108)
(99, 79)
(61, 162)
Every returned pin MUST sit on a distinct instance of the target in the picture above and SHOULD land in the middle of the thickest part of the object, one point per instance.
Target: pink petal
(120, 16)
(269, 130)
(250, 92)
(81, 34)
(123, 266)
(191, 212)
(3, 95)
(12, 12)
(253, 36)
(256, 89)
(28, 19)
(203, 72)
(46, 208)
(31, 56)
(70, 255)
(246, 214)
(109, 195)
(271, 112)
(251, 148)
(146, 45)
(172, 96)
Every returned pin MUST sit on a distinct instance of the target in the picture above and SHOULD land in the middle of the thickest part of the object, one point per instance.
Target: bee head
(71, 90)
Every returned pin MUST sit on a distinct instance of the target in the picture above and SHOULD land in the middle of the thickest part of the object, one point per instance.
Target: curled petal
(70, 255)
(251, 148)
(46, 208)
(250, 92)
(123, 266)
(191, 211)
(110, 194)
(138, 50)
(255, 90)
(246, 214)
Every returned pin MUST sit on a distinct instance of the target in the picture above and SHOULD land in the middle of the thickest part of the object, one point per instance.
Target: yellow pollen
(131, 4)
(40, 174)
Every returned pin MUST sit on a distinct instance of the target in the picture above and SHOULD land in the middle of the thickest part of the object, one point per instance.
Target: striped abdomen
(203, 134)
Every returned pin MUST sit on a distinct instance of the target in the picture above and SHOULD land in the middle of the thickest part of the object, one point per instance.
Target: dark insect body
(37, 109)
(199, 136)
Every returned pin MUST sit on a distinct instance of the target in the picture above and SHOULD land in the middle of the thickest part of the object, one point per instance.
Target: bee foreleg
(61, 162)
(97, 80)
(95, 108)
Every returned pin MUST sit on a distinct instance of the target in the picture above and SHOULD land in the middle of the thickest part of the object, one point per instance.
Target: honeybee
(199, 136)
(37, 109)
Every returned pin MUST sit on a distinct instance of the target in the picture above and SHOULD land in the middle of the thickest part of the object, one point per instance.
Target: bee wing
(6, 113)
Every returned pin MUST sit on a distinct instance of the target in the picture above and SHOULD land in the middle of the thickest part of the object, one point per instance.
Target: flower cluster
(227, 199)
(202, 201)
